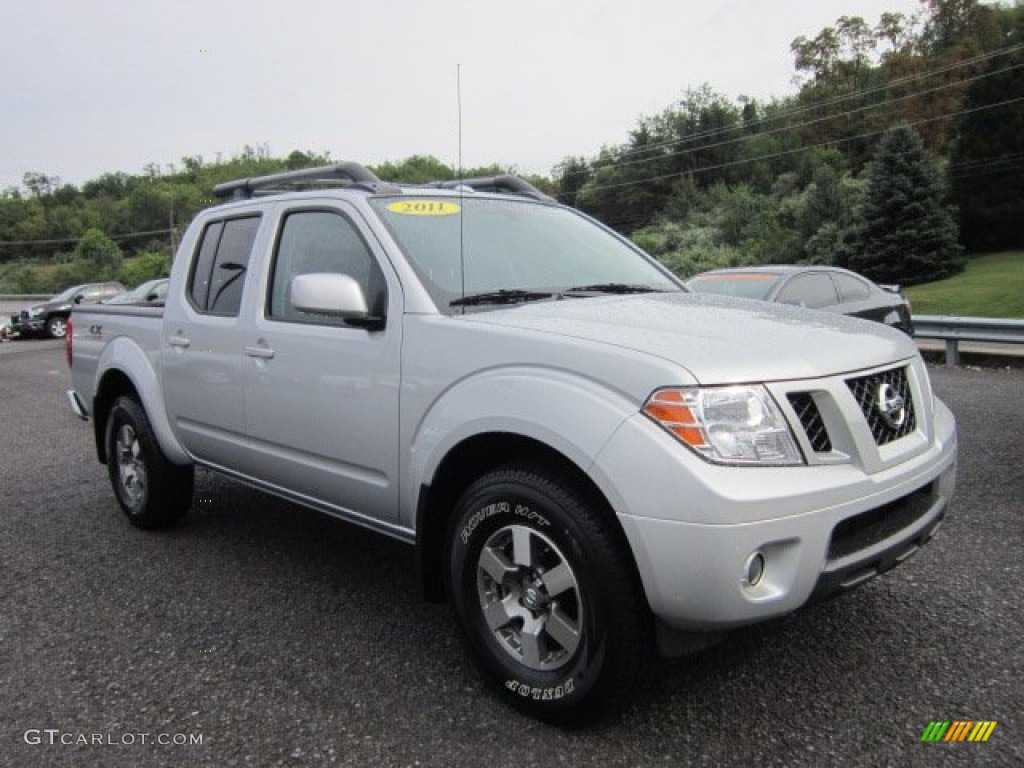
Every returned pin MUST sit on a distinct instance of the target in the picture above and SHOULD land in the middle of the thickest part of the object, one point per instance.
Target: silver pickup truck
(591, 461)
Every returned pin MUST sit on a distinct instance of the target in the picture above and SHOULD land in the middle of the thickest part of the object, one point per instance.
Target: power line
(824, 118)
(124, 236)
(796, 150)
(1006, 51)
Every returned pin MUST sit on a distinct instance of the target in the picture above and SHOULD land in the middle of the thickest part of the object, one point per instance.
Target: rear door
(321, 397)
(813, 290)
(203, 344)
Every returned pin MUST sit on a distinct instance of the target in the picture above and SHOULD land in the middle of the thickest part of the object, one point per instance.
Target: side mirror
(333, 295)
(79, 297)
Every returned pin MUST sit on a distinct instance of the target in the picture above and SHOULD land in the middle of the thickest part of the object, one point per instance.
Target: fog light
(754, 570)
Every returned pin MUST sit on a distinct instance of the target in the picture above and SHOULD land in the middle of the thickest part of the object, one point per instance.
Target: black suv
(51, 317)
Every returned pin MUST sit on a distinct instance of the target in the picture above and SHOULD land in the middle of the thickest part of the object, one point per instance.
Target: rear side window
(220, 264)
(850, 288)
(812, 291)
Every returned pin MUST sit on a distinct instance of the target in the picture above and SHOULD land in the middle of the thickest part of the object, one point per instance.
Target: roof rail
(504, 183)
(344, 174)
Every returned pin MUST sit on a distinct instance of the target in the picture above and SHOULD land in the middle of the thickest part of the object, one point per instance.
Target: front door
(321, 397)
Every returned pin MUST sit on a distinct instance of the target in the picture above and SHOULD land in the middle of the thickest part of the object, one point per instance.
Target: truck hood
(719, 340)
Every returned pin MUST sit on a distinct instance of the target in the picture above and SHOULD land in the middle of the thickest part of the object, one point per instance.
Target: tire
(57, 327)
(152, 492)
(545, 594)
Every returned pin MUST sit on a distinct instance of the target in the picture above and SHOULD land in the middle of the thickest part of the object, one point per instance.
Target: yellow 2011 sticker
(424, 208)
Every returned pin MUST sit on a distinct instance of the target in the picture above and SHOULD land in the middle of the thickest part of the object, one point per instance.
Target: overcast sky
(111, 85)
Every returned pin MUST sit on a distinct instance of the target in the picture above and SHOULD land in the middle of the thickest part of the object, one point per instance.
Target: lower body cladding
(843, 528)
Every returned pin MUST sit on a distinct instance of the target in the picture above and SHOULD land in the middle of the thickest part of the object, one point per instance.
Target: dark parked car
(51, 317)
(826, 288)
(149, 293)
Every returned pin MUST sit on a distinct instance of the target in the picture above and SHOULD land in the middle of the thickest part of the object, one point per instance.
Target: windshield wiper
(502, 296)
(612, 288)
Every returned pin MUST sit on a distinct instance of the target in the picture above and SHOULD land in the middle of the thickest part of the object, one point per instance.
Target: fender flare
(568, 413)
(126, 357)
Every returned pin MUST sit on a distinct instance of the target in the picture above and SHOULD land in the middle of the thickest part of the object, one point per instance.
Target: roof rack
(343, 174)
(504, 183)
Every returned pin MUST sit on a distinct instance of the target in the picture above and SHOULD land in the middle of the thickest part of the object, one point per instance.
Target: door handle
(178, 341)
(263, 352)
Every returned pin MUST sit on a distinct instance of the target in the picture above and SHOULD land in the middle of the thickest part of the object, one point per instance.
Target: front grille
(869, 528)
(810, 418)
(869, 391)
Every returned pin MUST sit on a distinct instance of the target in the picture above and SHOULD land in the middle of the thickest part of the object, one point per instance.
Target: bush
(145, 266)
(689, 250)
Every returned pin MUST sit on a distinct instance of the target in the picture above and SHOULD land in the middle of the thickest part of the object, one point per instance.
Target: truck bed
(95, 331)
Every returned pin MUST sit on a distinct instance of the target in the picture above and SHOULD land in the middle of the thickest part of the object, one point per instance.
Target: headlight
(726, 425)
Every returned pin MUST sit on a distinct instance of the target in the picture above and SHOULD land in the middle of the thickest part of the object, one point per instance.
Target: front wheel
(151, 491)
(546, 596)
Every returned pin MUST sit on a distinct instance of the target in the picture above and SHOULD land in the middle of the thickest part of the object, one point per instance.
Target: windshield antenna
(462, 250)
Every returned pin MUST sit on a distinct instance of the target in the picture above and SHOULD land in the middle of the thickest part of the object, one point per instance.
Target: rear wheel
(151, 491)
(550, 608)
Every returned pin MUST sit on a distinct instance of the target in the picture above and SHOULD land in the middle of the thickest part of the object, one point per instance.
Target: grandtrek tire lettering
(542, 694)
(549, 605)
(493, 509)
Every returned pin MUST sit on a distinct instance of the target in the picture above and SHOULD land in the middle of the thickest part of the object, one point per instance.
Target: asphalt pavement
(262, 634)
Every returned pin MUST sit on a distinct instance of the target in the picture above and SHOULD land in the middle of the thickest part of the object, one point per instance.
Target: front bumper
(28, 325)
(820, 529)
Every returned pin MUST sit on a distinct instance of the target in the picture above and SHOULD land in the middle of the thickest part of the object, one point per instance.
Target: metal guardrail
(953, 330)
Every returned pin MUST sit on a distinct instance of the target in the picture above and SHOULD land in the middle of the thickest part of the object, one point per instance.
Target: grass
(991, 286)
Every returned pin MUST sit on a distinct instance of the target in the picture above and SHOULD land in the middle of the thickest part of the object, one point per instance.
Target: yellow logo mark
(424, 208)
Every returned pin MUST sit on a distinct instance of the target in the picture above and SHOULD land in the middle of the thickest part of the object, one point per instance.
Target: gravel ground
(280, 637)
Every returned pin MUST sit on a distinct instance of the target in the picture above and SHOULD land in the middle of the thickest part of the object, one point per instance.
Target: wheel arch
(119, 358)
(466, 462)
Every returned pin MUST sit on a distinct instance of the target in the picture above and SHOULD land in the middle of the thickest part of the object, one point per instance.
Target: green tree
(907, 232)
(986, 161)
(100, 251)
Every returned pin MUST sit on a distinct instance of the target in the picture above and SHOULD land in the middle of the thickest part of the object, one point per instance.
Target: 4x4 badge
(891, 406)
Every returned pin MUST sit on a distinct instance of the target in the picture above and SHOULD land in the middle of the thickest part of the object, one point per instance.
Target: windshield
(745, 285)
(511, 246)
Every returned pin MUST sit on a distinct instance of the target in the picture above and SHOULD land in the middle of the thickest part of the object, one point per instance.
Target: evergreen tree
(907, 232)
(986, 162)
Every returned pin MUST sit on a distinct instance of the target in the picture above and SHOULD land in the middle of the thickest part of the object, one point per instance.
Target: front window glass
(321, 241)
(471, 246)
